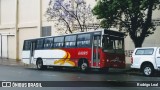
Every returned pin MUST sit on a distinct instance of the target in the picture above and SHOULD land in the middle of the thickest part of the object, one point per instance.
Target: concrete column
(40, 17)
(0, 12)
(17, 30)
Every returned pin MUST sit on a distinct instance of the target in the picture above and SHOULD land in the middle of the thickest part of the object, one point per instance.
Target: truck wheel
(148, 70)
(39, 64)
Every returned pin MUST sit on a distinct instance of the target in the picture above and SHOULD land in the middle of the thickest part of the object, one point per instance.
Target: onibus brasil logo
(21, 84)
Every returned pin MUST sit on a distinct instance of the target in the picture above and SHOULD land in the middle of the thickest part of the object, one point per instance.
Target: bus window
(112, 44)
(118, 44)
(70, 41)
(84, 40)
(27, 45)
(97, 43)
(48, 43)
(39, 44)
(58, 42)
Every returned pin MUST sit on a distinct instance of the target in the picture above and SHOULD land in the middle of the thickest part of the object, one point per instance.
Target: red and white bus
(100, 49)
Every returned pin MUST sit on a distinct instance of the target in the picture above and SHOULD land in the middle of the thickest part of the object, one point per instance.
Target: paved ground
(20, 73)
(11, 62)
(17, 71)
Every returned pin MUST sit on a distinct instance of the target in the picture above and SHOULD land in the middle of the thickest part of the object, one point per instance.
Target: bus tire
(83, 65)
(39, 64)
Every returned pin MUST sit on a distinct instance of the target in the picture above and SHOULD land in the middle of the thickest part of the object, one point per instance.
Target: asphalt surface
(16, 71)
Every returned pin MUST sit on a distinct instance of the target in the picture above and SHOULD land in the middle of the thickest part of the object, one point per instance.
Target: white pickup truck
(146, 59)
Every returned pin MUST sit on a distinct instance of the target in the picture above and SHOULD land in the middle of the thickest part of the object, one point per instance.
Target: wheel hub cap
(84, 66)
(39, 64)
(147, 70)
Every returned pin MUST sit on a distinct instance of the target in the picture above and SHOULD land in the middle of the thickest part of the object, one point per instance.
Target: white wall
(44, 9)
(153, 40)
(7, 15)
(156, 14)
(11, 47)
(44, 18)
(28, 12)
(26, 33)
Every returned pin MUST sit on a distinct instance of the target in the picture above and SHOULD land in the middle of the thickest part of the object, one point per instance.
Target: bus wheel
(39, 64)
(84, 66)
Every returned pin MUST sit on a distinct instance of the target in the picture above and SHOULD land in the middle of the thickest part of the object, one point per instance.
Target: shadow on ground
(139, 73)
(76, 70)
(96, 71)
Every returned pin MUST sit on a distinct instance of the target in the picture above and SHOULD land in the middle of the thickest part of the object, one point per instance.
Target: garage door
(4, 46)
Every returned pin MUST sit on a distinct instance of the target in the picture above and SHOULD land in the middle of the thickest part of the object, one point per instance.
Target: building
(25, 19)
(19, 20)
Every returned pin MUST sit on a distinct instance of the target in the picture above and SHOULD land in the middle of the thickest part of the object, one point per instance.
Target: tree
(70, 15)
(131, 16)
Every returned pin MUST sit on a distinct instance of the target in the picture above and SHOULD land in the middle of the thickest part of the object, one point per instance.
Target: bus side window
(58, 42)
(27, 45)
(48, 43)
(70, 41)
(39, 44)
(84, 40)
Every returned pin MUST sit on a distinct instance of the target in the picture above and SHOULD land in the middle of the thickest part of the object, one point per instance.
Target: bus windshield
(113, 44)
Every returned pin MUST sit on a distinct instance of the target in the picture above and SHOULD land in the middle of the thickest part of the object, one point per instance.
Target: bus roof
(100, 29)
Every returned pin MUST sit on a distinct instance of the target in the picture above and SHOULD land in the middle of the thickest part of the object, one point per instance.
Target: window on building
(27, 45)
(46, 31)
(48, 43)
(58, 42)
(70, 41)
(84, 40)
(156, 22)
(39, 44)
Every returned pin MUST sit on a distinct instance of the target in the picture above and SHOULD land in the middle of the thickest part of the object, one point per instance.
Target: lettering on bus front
(83, 53)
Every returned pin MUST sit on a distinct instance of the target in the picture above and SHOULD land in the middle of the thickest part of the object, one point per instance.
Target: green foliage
(132, 16)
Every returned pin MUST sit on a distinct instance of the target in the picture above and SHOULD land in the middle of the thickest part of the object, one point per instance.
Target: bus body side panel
(108, 60)
(75, 54)
(26, 56)
(71, 56)
(103, 59)
(63, 57)
(52, 57)
(115, 60)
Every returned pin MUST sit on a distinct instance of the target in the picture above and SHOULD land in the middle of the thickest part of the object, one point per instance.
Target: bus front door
(95, 51)
(33, 45)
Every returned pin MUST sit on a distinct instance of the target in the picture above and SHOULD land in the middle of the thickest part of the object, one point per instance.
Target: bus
(102, 49)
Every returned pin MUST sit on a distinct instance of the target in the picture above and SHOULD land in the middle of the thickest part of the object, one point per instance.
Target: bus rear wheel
(84, 66)
(39, 64)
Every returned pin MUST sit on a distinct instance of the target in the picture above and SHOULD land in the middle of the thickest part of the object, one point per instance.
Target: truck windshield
(113, 44)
